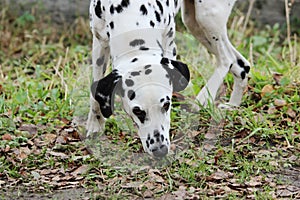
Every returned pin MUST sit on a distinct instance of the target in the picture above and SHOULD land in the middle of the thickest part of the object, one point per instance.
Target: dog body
(138, 36)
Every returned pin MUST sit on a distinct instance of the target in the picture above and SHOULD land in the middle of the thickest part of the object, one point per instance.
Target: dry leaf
(61, 140)
(30, 128)
(49, 137)
(219, 175)
(148, 194)
(80, 170)
(291, 113)
(58, 154)
(277, 77)
(280, 102)
(267, 89)
(219, 154)
(7, 136)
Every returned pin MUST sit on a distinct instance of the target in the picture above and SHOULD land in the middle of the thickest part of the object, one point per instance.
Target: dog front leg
(100, 59)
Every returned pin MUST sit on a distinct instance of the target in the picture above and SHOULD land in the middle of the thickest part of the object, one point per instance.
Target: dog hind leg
(207, 20)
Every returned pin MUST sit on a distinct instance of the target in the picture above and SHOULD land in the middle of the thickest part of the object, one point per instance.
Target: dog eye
(166, 106)
(136, 110)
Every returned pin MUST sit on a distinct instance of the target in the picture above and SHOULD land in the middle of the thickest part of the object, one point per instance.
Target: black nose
(160, 151)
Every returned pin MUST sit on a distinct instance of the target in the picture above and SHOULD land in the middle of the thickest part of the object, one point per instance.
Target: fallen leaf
(280, 102)
(181, 192)
(277, 77)
(61, 140)
(35, 175)
(272, 110)
(56, 178)
(148, 194)
(7, 136)
(58, 154)
(219, 175)
(80, 170)
(134, 184)
(30, 128)
(49, 137)
(291, 113)
(219, 154)
(267, 89)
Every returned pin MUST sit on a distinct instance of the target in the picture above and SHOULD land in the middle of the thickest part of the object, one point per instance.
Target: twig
(250, 8)
(287, 16)
(61, 76)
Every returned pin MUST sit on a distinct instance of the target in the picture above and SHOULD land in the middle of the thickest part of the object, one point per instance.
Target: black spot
(167, 3)
(147, 66)
(152, 141)
(169, 21)
(108, 34)
(243, 74)
(247, 69)
(174, 51)
(137, 42)
(157, 16)
(170, 32)
(143, 9)
(144, 48)
(98, 10)
(112, 9)
(164, 61)
(160, 6)
(147, 143)
(148, 71)
(168, 98)
(135, 73)
(125, 3)
(176, 3)
(134, 60)
(131, 94)
(162, 138)
(119, 9)
(111, 24)
(162, 127)
(141, 114)
(160, 46)
(98, 116)
(241, 63)
(129, 82)
(152, 23)
(162, 100)
(100, 61)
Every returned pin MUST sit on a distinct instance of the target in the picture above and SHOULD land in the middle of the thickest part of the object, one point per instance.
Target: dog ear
(179, 73)
(104, 90)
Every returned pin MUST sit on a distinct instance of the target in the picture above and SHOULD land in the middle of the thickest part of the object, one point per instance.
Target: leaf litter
(40, 160)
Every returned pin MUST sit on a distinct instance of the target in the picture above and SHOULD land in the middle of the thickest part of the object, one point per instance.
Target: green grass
(44, 81)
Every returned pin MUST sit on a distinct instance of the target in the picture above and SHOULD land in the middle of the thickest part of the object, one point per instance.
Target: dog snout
(160, 151)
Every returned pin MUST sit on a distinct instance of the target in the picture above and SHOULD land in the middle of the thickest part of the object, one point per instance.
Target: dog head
(146, 95)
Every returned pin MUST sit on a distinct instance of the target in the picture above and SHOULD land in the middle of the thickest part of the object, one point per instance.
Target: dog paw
(94, 126)
(226, 106)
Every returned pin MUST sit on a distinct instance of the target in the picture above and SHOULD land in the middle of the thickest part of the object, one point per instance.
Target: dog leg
(100, 59)
(207, 20)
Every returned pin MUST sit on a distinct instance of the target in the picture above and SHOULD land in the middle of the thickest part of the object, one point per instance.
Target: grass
(242, 153)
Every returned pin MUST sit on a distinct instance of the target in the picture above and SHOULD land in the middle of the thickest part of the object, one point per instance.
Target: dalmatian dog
(138, 38)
